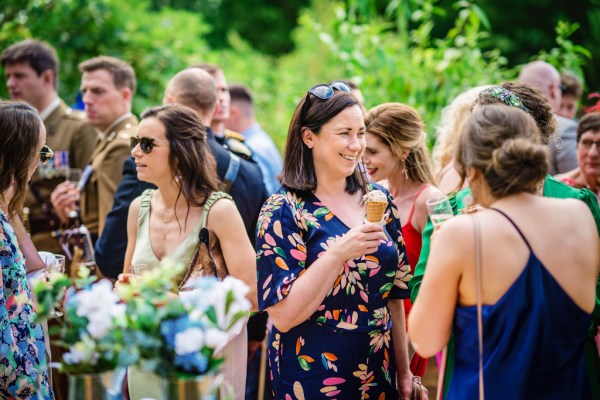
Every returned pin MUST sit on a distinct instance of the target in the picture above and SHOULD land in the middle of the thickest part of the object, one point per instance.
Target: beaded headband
(504, 95)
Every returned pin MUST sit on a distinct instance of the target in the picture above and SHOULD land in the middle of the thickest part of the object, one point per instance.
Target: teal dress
(23, 367)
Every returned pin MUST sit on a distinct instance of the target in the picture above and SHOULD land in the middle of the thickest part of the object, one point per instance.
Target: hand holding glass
(439, 210)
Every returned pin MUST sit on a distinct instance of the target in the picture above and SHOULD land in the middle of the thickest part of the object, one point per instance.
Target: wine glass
(138, 269)
(55, 264)
(73, 175)
(439, 210)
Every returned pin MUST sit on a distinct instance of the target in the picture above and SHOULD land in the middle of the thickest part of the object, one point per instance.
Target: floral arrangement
(94, 321)
(145, 323)
(178, 336)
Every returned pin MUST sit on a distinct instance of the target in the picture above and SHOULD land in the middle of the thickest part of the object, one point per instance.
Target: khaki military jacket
(73, 140)
(107, 169)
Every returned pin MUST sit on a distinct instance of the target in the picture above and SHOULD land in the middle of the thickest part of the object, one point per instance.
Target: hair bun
(520, 164)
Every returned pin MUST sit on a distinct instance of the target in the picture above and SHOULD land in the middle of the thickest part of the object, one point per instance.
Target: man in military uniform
(107, 85)
(31, 71)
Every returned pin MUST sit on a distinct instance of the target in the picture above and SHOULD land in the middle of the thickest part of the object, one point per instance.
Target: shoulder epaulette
(229, 134)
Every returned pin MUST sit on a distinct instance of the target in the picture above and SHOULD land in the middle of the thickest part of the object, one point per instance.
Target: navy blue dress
(533, 342)
(344, 350)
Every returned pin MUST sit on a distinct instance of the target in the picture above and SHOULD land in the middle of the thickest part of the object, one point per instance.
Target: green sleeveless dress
(142, 384)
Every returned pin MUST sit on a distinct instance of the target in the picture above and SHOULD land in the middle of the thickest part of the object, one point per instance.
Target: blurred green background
(419, 52)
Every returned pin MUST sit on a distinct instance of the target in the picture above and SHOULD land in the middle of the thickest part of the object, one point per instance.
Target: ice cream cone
(375, 210)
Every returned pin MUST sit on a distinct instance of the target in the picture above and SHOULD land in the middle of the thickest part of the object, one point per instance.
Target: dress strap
(513, 224)
(412, 210)
(212, 199)
(145, 198)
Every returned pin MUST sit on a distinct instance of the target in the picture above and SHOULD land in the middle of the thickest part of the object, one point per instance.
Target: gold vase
(101, 386)
(204, 387)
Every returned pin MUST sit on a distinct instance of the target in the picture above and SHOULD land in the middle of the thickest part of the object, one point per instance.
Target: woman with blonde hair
(453, 118)
(396, 152)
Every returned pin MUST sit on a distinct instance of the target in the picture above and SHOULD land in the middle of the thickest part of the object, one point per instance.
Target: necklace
(167, 222)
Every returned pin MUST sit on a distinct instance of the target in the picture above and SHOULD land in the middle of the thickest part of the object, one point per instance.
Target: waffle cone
(375, 210)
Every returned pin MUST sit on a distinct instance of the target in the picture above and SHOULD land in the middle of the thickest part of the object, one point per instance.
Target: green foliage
(157, 44)
(419, 52)
(567, 55)
(395, 59)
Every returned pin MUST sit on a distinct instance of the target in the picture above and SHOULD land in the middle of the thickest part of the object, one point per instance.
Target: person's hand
(405, 385)
(358, 241)
(64, 198)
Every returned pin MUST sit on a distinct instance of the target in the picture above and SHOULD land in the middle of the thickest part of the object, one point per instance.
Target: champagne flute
(57, 264)
(439, 210)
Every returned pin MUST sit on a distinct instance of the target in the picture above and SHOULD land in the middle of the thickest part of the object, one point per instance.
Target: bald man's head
(195, 89)
(546, 79)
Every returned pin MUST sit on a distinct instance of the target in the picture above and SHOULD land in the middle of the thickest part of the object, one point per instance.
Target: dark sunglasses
(45, 154)
(146, 143)
(323, 91)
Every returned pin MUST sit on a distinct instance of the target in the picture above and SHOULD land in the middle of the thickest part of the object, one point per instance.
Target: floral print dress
(344, 350)
(23, 368)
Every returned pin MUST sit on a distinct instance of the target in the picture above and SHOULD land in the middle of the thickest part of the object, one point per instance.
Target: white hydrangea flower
(216, 338)
(99, 305)
(189, 341)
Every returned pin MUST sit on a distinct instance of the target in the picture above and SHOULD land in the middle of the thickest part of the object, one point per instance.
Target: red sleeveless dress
(413, 242)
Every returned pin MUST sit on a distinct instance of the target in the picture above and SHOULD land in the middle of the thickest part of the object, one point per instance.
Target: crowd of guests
(504, 294)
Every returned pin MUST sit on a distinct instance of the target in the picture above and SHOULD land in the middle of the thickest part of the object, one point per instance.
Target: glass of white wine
(439, 210)
(56, 264)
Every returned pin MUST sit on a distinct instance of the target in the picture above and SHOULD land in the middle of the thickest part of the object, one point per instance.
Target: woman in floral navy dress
(331, 283)
(23, 367)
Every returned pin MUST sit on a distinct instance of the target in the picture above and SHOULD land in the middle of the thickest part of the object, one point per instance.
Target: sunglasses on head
(45, 154)
(146, 143)
(323, 91)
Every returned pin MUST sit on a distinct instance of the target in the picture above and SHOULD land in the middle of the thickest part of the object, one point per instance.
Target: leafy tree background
(419, 52)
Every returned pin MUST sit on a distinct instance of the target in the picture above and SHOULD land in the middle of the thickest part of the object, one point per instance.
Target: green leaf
(304, 364)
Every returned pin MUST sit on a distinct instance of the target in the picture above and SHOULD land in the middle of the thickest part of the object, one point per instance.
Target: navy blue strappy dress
(533, 342)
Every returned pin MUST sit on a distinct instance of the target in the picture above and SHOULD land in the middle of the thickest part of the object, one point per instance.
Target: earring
(309, 145)
(404, 170)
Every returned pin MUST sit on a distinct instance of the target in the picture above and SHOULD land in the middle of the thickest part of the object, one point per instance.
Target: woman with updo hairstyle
(535, 312)
(396, 152)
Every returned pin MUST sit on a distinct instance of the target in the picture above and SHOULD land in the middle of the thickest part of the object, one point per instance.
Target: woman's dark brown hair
(504, 143)
(20, 128)
(298, 167)
(589, 122)
(534, 101)
(192, 163)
